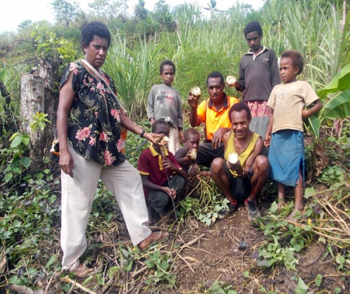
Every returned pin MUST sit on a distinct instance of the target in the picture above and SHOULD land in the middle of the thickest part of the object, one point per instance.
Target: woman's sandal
(81, 271)
(161, 236)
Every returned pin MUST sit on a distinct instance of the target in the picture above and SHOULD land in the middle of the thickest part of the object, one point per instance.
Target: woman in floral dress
(89, 122)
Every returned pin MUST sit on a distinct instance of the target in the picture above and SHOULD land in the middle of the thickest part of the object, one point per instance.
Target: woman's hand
(66, 162)
(151, 137)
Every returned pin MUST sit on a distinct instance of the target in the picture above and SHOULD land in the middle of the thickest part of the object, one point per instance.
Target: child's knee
(217, 165)
(178, 183)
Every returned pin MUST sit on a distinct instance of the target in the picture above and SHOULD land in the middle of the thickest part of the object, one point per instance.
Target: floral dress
(94, 125)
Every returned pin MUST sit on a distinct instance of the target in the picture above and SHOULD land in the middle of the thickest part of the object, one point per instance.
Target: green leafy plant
(273, 254)
(331, 175)
(207, 207)
(338, 107)
(219, 287)
(13, 157)
(39, 121)
(159, 266)
(27, 222)
(301, 287)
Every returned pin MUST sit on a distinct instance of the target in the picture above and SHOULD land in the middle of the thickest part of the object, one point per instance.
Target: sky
(16, 11)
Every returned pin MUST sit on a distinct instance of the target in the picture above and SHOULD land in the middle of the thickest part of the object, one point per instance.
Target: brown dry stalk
(346, 241)
(334, 209)
(337, 218)
(66, 279)
(185, 262)
(48, 285)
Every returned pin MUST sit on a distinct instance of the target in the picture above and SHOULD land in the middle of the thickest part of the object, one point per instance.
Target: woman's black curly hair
(92, 29)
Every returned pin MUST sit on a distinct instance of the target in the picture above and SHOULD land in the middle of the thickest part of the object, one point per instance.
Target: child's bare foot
(292, 216)
(280, 205)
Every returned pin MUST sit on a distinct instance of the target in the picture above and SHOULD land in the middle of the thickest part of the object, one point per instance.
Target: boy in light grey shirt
(164, 103)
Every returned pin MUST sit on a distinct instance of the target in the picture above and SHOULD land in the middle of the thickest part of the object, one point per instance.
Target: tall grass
(315, 29)
(200, 45)
(134, 67)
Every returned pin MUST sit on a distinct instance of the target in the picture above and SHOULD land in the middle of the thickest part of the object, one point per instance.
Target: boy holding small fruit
(186, 156)
(162, 177)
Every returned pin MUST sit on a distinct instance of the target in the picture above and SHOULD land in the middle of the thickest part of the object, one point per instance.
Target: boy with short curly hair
(164, 103)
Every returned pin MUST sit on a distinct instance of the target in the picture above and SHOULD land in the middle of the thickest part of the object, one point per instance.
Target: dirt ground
(215, 255)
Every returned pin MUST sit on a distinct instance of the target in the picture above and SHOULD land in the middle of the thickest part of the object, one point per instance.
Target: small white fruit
(196, 91)
(230, 80)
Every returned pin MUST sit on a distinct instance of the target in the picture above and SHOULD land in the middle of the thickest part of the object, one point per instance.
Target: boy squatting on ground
(287, 102)
(164, 102)
(185, 155)
(244, 180)
(162, 177)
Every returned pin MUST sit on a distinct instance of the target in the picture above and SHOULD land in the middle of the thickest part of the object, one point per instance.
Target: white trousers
(174, 143)
(78, 194)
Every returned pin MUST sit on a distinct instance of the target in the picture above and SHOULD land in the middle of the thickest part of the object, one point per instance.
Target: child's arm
(182, 155)
(167, 163)
(147, 184)
(269, 130)
(308, 112)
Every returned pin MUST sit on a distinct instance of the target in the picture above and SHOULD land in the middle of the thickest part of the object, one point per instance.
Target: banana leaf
(341, 82)
(338, 107)
(314, 123)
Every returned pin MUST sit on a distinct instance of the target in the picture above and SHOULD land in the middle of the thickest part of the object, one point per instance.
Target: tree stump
(37, 96)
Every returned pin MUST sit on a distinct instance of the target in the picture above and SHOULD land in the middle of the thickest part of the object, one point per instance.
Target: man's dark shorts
(206, 154)
(239, 189)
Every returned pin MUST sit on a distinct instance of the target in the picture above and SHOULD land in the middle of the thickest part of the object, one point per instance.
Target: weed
(14, 159)
(159, 266)
(207, 207)
(331, 175)
(273, 254)
(39, 121)
(219, 287)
